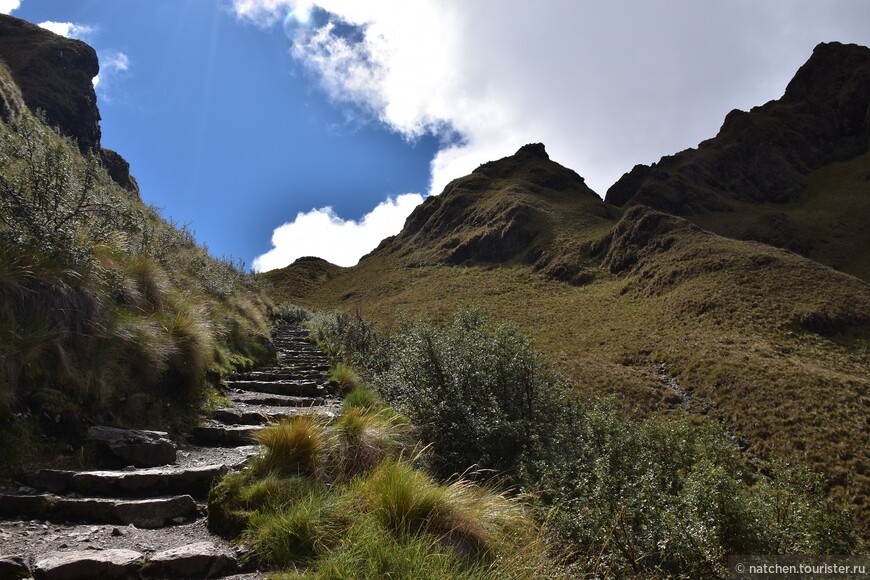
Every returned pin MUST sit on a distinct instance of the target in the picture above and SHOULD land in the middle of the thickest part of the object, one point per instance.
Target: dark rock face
(765, 155)
(119, 170)
(55, 75)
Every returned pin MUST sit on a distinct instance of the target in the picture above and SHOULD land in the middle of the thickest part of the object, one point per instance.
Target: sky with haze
(286, 128)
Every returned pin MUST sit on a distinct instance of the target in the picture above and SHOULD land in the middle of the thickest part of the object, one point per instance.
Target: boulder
(135, 446)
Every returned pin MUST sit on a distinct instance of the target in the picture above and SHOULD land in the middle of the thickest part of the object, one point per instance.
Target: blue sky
(247, 119)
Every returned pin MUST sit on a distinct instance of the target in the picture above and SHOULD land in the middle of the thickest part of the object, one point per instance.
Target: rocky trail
(146, 519)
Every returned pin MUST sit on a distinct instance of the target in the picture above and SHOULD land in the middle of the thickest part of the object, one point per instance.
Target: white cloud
(8, 6)
(320, 232)
(68, 29)
(113, 64)
(603, 85)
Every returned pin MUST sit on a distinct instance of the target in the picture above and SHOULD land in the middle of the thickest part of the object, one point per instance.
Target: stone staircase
(147, 520)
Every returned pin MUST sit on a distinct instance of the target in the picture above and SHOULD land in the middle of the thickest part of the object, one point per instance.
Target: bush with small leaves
(481, 397)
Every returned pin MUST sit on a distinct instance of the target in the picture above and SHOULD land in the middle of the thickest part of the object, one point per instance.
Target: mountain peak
(749, 181)
(512, 210)
(534, 149)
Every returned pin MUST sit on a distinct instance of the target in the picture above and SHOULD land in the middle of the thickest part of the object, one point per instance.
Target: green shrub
(668, 498)
(292, 314)
(480, 397)
(349, 339)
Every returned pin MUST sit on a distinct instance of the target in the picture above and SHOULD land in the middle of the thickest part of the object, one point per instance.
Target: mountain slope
(768, 172)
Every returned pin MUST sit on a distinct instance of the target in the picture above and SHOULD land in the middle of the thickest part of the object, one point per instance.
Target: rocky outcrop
(765, 155)
(55, 75)
(119, 170)
(47, 72)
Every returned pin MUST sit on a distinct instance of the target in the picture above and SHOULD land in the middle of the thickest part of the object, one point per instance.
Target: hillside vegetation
(108, 313)
(665, 496)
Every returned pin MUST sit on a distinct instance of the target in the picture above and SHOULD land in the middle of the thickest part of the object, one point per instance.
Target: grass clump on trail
(348, 499)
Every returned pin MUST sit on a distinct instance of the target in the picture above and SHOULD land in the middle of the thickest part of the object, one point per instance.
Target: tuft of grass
(408, 502)
(294, 446)
(344, 377)
(363, 397)
(369, 553)
(365, 438)
(301, 532)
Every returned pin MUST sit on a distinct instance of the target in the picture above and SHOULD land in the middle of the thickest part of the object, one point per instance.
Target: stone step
(88, 564)
(142, 513)
(285, 358)
(225, 435)
(265, 415)
(161, 481)
(197, 560)
(234, 416)
(291, 388)
(277, 374)
(272, 400)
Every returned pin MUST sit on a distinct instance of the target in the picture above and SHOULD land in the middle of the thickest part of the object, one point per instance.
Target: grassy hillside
(773, 345)
(108, 313)
(826, 223)
(304, 277)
